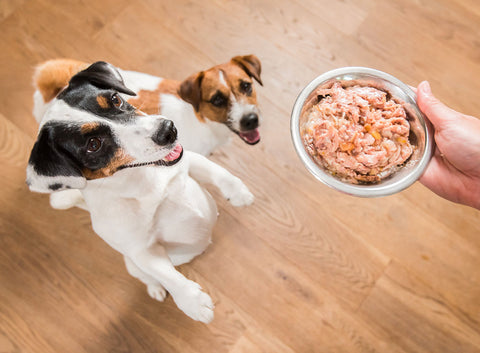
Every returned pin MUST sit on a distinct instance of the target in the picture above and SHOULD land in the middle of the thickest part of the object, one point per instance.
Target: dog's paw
(242, 198)
(157, 292)
(65, 199)
(238, 194)
(195, 303)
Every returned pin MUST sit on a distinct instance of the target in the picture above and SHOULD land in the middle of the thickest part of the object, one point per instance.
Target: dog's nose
(249, 122)
(166, 133)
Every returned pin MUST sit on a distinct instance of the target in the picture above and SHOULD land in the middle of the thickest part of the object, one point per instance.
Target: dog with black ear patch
(141, 188)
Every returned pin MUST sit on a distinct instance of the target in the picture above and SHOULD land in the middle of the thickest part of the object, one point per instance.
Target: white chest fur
(160, 204)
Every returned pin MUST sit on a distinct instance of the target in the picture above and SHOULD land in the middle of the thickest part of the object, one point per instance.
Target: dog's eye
(219, 100)
(246, 87)
(94, 144)
(117, 101)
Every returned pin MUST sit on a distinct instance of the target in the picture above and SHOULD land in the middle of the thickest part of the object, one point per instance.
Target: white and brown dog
(141, 188)
(206, 107)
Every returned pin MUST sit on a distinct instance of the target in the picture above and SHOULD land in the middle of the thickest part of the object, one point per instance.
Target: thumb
(437, 112)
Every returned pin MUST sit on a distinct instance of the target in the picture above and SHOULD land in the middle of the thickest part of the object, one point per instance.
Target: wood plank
(444, 326)
(8, 7)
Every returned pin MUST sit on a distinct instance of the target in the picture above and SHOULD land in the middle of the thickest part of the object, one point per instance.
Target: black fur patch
(85, 97)
(48, 158)
(55, 186)
(98, 80)
(101, 75)
(62, 150)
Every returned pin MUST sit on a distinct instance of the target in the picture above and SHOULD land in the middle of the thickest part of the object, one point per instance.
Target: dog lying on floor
(208, 107)
(140, 186)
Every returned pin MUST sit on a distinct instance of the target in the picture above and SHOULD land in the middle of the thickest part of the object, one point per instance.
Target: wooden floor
(305, 268)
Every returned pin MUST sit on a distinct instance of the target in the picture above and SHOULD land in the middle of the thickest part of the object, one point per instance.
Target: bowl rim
(368, 190)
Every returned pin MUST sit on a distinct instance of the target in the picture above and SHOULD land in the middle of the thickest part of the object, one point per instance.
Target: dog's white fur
(156, 217)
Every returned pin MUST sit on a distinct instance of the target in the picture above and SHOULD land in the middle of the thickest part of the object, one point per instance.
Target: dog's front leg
(205, 171)
(187, 294)
(154, 288)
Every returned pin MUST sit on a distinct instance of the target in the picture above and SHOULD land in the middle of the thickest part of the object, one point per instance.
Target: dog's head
(90, 131)
(226, 94)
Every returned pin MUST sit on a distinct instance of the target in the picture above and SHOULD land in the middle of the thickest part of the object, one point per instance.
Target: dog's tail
(49, 79)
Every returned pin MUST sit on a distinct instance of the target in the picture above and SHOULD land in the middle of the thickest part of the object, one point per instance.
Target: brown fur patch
(233, 78)
(210, 86)
(117, 161)
(53, 75)
(149, 101)
(251, 65)
(86, 128)
(146, 101)
(103, 102)
(169, 87)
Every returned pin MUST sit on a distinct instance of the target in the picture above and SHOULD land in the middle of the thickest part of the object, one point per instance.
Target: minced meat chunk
(357, 133)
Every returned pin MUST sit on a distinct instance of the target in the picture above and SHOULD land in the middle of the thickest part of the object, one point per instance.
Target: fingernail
(425, 86)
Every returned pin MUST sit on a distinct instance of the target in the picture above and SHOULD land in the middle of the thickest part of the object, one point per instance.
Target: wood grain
(303, 269)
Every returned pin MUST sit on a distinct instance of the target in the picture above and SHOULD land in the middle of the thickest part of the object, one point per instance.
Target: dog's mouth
(170, 159)
(252, 137)
(173, 157)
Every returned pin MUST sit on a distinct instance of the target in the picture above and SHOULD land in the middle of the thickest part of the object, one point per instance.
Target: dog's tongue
(174, 154)
(251, 137)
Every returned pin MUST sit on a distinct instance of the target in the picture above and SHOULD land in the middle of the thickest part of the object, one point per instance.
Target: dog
(141, 187)
(208, 107)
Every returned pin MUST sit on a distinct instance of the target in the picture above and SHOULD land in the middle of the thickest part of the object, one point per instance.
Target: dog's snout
(166, 133)
(249, 121)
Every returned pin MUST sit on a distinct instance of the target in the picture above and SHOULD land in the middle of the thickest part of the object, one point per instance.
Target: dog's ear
(251, 64)
(102, 75)
(190, 90)
(51, 167)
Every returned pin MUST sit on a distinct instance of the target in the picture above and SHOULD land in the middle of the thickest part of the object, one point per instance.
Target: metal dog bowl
(421, 131)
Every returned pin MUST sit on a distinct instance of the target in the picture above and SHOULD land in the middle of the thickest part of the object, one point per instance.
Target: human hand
(454, 171)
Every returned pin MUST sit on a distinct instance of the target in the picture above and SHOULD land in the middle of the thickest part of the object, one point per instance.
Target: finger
(437, 112)
(437, 177)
